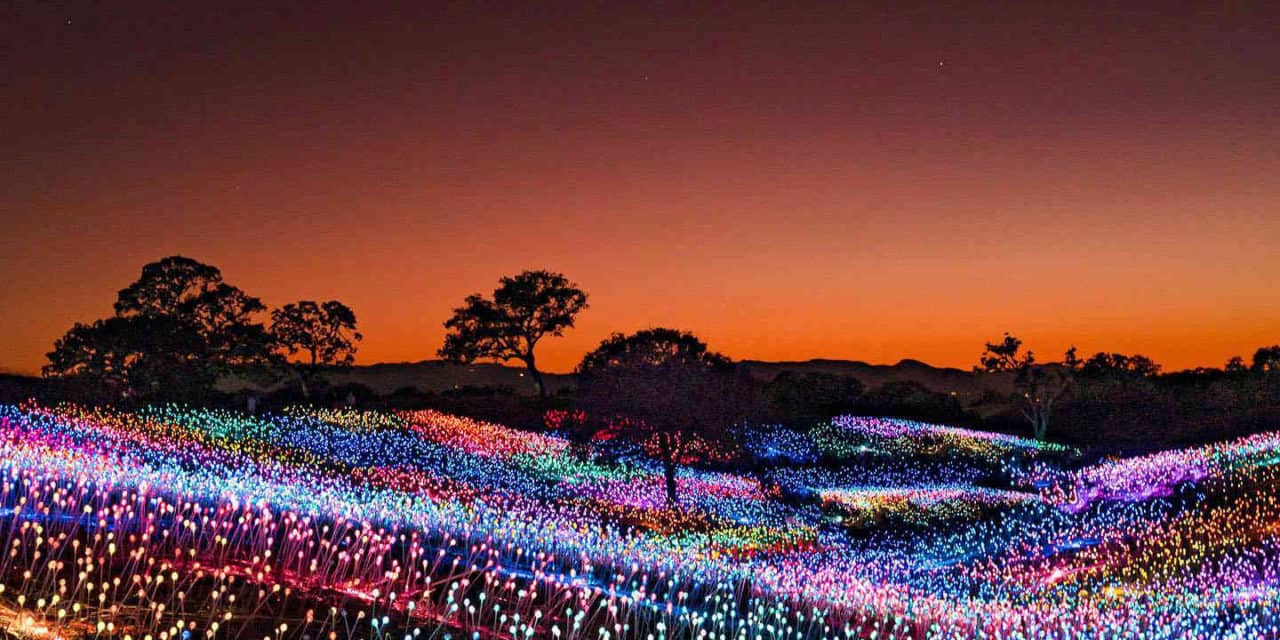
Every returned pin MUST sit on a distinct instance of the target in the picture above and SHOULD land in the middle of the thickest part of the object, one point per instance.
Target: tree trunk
(537, 377)
(669, 473)
(308, 373)
(1042, 426)
(1039, 419)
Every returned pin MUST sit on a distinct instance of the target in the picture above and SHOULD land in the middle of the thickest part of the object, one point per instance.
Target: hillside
(437, 375)
(860, 528)
(939, 379)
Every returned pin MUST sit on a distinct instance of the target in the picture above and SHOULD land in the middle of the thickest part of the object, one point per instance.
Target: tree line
(1126, 400)
(180, 328)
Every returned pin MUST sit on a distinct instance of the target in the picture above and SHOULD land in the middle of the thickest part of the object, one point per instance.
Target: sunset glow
(789, 183)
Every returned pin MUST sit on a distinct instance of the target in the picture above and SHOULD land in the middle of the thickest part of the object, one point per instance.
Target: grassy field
(171, 522)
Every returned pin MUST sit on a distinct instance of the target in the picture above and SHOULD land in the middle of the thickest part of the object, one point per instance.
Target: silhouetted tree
(139, 357)
(1071, 359)
(1041, 386)
(1120, 403)
(323, 333)
(1038, 387)
(663, 389)
(524, 309)
(1004, 356)
(1119, 364)
(171, 286)
(176, 330)
(1267, 359)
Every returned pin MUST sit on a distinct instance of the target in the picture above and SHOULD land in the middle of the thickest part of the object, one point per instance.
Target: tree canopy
(175, 331)
(523, 310)
(324, 334)
(1119, 364)
(1267, 359)
(1005, 356)
(1037, 387)
(663, 389)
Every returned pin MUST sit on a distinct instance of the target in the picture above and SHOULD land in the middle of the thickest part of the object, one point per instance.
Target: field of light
(170, 523)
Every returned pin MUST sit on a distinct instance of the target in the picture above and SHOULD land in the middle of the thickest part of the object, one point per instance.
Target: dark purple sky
(871, 181)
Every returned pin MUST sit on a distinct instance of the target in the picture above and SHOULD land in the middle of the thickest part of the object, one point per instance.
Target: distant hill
(962, 382)
(15, 387)
(437, 376)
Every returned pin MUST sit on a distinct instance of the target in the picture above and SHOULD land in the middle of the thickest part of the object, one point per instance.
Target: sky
(870, 181)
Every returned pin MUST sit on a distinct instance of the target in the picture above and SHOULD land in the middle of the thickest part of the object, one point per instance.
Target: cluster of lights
(918, 505)
(173, 523)
(916, 436)
(1161, 474)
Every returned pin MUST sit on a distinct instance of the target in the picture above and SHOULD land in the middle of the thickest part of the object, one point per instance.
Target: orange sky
(868, 183)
